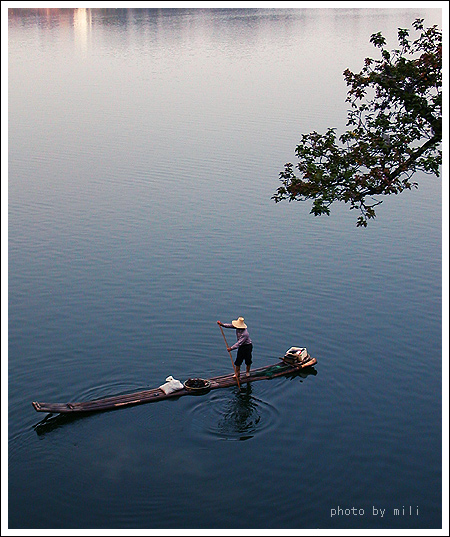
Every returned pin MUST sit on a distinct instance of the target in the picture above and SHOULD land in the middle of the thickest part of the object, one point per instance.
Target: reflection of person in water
(241, 415)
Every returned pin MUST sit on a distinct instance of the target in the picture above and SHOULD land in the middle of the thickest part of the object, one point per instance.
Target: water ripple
(232, 415)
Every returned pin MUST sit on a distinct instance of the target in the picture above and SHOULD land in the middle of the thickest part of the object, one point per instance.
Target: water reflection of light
(82, 22)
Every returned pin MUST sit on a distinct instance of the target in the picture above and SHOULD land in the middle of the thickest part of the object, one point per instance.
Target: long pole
(235, 372)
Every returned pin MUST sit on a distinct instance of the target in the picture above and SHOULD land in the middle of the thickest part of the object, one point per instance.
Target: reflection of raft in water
(191, 386)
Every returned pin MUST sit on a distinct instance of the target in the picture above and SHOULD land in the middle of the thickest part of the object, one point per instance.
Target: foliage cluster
(395, 130)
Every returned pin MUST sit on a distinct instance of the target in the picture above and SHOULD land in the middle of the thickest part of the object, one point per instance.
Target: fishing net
(271, 371)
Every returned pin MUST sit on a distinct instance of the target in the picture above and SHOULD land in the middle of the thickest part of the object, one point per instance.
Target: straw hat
(239, 323)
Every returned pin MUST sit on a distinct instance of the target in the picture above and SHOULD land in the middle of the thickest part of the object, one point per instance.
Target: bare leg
(238, 372)
(247, 372)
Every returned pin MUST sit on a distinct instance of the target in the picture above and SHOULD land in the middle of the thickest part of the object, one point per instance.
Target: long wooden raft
(156, 394)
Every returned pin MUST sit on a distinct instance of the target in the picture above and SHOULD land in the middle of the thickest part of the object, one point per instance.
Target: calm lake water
(144, 147)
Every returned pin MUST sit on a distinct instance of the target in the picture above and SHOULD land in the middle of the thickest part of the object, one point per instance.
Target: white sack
(172, 385)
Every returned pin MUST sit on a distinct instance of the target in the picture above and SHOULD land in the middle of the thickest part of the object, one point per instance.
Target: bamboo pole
(229, 352)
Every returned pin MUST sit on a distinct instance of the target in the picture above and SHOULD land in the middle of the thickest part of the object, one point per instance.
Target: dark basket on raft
(197, 385)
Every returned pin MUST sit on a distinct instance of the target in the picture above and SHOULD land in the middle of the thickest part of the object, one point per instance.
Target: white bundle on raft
(171, 385)
(297, 353)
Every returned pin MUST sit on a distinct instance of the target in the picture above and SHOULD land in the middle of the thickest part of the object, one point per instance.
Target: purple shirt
(242, 336)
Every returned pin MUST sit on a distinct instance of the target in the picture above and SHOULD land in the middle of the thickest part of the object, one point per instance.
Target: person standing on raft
(243, 345)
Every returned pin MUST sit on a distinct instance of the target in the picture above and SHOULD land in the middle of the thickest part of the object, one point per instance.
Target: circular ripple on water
(232, 415)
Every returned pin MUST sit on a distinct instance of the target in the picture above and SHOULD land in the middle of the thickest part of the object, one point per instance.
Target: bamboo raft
(157, 394)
